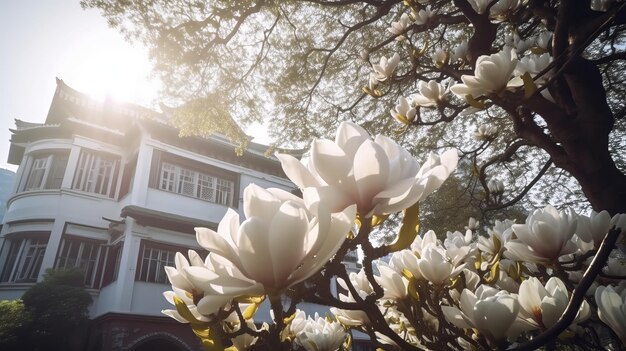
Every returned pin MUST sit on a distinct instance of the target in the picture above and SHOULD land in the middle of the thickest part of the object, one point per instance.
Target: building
(7, 178)
(112, 189)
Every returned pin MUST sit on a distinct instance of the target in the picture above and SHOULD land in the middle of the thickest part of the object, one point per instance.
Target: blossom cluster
(477, 289)
(485, 287)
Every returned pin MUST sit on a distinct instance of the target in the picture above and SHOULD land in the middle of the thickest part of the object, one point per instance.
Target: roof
(153, 218)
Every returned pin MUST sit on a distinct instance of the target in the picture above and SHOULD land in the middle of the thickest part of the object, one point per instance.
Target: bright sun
(104, 65)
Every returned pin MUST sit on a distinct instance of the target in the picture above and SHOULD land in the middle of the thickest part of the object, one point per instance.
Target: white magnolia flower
(495, 186)
(485, 132)
(491, 75)
(514, 41)
(601, 5)
(534, 64)
(378, 175)
(497, 237)
(490, 311)
(422, 16)
(403, 112)
(544, 237)
(278, 245)
(430, 94)
(201, 300)
(420, 242)
(394, 285)
(472, 224)
(460, 53)
(435, 265)
(398, 28)
(544, 39)
(440, 57)
(363, 289)
(593, 228)
(384, 69)
(479, 5)
(318, 334)
(503, 9)
(612, 309)
(541, 307)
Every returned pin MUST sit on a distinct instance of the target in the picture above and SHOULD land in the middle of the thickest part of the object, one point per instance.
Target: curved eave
(158, 219)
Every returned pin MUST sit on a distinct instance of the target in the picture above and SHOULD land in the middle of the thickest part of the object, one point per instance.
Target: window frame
(20, 265)
(160, 277)
(88, 175)
(194, 179)
(47, 177)
(90, 278)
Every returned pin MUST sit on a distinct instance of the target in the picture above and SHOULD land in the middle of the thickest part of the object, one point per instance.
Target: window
(200, 185)
(95, 173)
(46, 171)
(82, 254)
(112, 264)
(23, 259)
(153, 261)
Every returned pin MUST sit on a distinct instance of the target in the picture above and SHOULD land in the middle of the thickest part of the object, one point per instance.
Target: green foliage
(59, 309)
(14, 321)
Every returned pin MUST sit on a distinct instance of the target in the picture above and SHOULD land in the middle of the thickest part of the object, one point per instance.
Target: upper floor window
(96, 173)
(46, 171)
(23, 259)
(197, 184)
(83, 254)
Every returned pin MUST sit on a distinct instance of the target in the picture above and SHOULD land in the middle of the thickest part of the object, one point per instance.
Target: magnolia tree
(508, 284)
(534, 84)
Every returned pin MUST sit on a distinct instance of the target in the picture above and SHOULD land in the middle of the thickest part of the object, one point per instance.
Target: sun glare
(107, 66)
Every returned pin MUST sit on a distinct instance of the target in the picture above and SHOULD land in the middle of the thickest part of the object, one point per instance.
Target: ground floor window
(153, 260)
(80, 253)
(22, 258)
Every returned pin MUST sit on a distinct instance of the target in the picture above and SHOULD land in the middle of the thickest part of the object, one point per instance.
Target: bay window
(96, 173)
(46, 171)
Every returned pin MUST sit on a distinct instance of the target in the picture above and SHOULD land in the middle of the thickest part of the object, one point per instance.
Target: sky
(42, 39)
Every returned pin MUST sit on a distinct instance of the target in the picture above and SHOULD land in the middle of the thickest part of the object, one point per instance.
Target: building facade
(111, 189)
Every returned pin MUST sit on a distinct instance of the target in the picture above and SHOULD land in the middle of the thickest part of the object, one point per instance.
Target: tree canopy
(302, 67)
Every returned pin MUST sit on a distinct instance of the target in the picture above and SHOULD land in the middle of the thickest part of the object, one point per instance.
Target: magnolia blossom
(379, 176)
(363, 289)
(485, 132)
(394, 285)
(544, 237)
(422, 16)
(440, 57)
(460, 53)
(201, 300)
(503, 9)
(398, 28)
(533, 65)
(472, 224)
(515, 42)
(491, 75)
(384, 69)
(612, 309)
(544, 39)
(317, 334)
(497, 237)
(435, 266)
(495, 186)
(430, 94)
(541, 307)
(489, 310)
(403, 112)
(279, 244)
(600, 5)
(593, 228)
